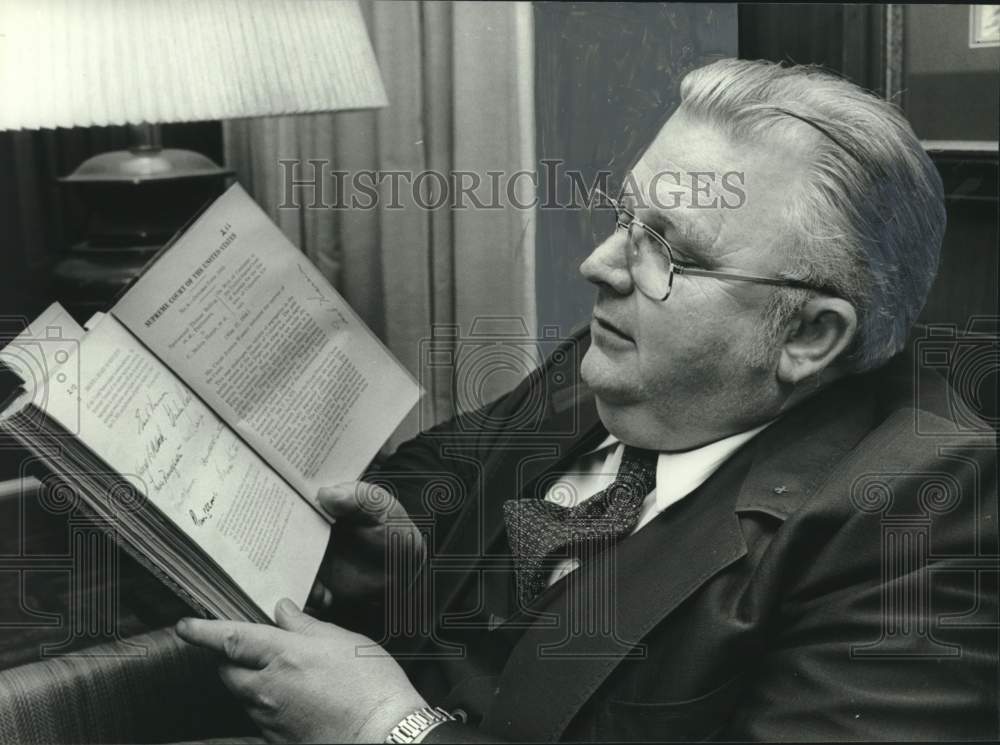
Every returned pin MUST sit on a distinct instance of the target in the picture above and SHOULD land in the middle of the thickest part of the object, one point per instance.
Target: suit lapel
(586, 624)
(794, 456)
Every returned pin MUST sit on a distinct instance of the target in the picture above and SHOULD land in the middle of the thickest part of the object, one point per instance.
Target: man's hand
(308, 681)
(374, 549)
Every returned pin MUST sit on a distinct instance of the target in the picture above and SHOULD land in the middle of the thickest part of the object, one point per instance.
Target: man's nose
(607, 264)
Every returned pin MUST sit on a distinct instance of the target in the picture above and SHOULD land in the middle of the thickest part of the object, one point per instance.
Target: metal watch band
(415, 724)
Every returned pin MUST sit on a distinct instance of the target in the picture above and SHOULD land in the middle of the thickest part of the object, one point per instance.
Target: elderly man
(727, 529)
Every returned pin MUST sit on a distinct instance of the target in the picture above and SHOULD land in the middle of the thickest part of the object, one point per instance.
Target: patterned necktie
(538, 527)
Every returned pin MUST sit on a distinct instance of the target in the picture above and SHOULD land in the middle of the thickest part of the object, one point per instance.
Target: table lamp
(86, 63)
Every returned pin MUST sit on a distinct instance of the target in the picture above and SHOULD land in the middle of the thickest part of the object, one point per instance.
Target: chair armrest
(148, 688)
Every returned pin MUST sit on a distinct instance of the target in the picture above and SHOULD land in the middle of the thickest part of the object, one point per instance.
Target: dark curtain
(37, 215)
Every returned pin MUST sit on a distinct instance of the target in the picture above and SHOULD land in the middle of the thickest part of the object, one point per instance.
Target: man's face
(674, 374)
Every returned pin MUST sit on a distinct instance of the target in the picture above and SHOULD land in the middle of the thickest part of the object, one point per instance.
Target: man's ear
(817, 334)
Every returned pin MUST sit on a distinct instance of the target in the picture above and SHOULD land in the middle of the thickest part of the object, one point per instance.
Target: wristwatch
(414, 726)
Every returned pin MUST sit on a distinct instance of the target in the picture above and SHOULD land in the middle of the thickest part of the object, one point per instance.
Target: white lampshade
(70, 63)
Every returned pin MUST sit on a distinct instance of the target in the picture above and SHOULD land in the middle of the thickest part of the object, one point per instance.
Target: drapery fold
(459, 78)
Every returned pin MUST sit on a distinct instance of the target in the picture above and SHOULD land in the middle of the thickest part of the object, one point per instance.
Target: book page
(94, 320)
(251, 325)
(138, 417)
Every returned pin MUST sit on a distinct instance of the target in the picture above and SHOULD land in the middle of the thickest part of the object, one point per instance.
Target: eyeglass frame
(674, 268)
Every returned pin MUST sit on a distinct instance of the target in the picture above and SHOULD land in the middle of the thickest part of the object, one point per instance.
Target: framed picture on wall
(984, 26)
(945, 63)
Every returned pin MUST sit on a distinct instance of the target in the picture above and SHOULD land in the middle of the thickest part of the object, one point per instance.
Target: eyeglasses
(650, 258)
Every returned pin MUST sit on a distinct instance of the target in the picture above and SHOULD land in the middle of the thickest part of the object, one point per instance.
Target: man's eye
(685, 264)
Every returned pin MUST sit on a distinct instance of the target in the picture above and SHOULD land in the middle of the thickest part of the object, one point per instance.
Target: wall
(607, 77)
(952, 90)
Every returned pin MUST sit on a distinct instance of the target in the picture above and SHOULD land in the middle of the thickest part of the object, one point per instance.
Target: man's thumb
(356, 501)
(290, 618)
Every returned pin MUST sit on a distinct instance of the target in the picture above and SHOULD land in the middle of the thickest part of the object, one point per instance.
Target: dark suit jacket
(835, 579)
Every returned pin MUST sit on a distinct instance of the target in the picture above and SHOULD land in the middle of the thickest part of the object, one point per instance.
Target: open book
(199, 416)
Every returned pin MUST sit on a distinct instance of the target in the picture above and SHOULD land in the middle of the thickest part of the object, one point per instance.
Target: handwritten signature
(206, 511)
(212, 443)
(153, 446)
(231, 457)
(324, 300)
(172, 407)
(172, 470)
(144, 414)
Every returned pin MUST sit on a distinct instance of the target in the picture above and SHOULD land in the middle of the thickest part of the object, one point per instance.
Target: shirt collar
(680, 473)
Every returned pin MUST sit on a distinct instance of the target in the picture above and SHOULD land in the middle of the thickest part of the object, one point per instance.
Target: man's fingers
(320, 596)
(290, 618)
(248, 644)
(356, 501)
(243, 683)
(350, 580)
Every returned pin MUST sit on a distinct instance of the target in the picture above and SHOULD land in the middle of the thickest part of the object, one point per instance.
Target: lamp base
(89, 276)
(135, 200)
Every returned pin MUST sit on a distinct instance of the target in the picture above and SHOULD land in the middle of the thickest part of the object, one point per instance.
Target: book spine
(11, 386)
(108, 527)
(105, 523)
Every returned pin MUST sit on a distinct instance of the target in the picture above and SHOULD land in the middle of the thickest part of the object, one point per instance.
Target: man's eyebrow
(689, 230)
(692, 232)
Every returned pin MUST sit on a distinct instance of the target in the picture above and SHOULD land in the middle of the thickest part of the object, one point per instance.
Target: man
(726, 531)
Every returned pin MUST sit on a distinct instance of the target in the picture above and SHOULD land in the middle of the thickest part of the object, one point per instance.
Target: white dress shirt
(677, 475)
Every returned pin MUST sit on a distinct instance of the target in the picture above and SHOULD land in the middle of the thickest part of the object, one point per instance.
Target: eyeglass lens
(648, 262)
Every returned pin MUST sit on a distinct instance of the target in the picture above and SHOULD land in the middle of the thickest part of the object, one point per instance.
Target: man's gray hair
(870, 222)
